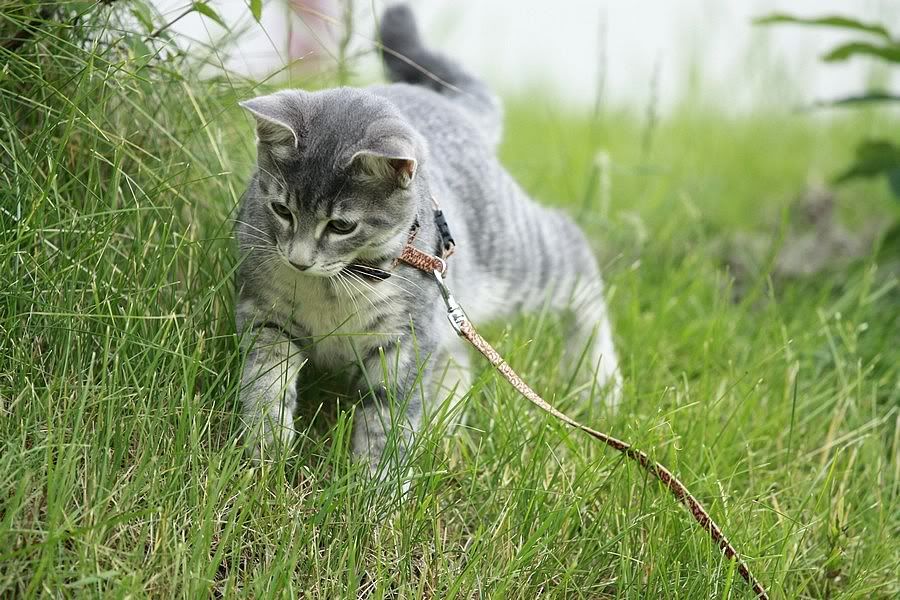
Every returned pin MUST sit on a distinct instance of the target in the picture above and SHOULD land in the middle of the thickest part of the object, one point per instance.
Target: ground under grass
(121, 473)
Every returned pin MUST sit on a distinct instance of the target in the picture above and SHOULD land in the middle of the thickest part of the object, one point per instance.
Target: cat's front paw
(265, 440)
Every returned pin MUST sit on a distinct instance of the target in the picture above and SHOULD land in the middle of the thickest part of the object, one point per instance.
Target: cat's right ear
(278, 118)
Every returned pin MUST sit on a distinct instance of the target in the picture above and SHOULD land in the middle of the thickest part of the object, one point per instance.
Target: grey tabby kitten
(343, 175)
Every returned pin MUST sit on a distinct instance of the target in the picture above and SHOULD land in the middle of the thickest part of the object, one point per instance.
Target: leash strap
(422, 260)
(674, 485)
(438, 267)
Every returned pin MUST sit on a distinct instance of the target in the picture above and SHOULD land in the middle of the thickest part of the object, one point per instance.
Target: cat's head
(336, 180)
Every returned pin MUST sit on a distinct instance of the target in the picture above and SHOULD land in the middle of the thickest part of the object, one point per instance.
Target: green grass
(121, 473)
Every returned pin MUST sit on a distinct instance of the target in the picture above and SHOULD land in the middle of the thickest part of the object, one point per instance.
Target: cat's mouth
(367, 271)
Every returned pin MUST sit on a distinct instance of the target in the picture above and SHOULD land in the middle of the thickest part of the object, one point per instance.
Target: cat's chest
(344, 317)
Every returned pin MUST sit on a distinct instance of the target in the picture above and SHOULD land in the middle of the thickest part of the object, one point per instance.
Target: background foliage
(874, 157)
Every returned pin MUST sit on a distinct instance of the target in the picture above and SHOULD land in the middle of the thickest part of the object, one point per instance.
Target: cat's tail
(408, 60)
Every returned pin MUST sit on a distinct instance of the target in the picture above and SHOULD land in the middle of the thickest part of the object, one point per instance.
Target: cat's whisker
(395, 286)
(269, 257)
(261, 250)
(406, 279)
(258, 240)
(386, 282)
(332, 284)
(344, 290)
(267, 246)
(350, 279)
(254, 234)
(283, 178)
(369, 287)
(282, 181)
(350, 293)
(263, 267)
(279, 177)
(388, 275)
(246, 224)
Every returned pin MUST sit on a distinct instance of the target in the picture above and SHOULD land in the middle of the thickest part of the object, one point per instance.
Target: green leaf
(256, 9)
(92, 579)
(875, 158)
(894, 182)
(889, 53)
(207, 11)
(139, 49)
(827, 21)
(870, 98)
(140, 12)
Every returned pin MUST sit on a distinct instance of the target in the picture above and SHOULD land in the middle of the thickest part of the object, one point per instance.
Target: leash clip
(455, 313)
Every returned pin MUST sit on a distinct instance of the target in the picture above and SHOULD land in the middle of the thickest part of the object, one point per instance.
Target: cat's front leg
(390, 411)
(269, 390)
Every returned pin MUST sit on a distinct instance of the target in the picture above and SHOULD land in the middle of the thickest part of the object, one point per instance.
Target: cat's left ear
(391, 151)
(392, 167)
(278, 117)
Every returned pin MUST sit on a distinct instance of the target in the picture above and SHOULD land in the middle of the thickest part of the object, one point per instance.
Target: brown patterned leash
(428, 263)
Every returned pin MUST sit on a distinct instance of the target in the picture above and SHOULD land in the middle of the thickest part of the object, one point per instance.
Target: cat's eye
(341, 227)
(282, 211)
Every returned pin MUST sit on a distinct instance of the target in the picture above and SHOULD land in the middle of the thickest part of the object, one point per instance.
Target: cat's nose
(300, 267)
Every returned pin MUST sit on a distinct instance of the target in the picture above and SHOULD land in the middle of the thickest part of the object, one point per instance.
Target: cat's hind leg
(564, 267)
(592, 340)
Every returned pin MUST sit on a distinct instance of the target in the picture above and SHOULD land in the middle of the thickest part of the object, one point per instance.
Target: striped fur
(431, 133)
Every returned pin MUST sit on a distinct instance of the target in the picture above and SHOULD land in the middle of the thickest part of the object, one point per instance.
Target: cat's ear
(390, 151)
(392, 167)
(278, 117)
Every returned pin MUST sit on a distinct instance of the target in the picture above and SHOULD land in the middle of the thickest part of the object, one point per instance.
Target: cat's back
(451, 132)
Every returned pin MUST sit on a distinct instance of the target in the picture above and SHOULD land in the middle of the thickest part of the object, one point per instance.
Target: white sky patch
(628, 52)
